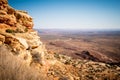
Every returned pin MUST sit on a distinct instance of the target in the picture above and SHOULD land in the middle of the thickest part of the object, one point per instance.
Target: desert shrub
(14, 31)
(10, 31)
(36, 57)
(26, 30)
(13, 68)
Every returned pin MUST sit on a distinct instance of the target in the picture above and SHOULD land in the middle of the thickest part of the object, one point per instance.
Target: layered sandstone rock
(15, 19)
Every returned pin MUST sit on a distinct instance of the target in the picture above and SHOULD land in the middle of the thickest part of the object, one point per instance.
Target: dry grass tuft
(12, 68)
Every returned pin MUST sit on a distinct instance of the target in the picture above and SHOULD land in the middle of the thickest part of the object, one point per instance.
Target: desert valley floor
(103, 46)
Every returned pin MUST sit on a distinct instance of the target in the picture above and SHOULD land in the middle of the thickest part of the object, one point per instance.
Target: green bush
(10, 31)
(26, 30)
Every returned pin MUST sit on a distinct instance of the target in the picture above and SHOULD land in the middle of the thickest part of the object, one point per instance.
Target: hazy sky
(72, 14)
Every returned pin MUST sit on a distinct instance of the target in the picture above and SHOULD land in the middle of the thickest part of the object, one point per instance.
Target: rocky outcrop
(87, 55)
(16, 33)
(15, 19)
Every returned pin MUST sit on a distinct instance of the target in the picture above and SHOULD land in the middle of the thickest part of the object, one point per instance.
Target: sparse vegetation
(10, 31)
(13, 68)
(26, 30)
(36, 57)
(72, 43)
(16, 31)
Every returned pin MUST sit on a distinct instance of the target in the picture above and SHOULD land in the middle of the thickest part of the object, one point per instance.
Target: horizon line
(106, 29)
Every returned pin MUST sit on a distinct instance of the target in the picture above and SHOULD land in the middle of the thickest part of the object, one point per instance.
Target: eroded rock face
(14, 18)
(24, 19)
(16, 33)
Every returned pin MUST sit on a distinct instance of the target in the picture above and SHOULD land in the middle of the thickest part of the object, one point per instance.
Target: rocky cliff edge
(16, 32)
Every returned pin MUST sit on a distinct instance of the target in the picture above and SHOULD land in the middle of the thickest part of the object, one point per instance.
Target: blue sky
(72, 14)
